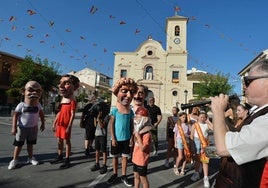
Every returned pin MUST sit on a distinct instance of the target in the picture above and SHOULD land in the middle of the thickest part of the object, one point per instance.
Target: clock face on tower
(177, 41)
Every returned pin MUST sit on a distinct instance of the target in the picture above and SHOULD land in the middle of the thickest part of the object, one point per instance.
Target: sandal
(182, 173)
(176, 172)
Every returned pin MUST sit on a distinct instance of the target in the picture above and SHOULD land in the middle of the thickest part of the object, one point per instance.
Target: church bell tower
(176, 31)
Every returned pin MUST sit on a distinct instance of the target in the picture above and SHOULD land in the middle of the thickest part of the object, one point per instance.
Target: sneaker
(66, 164)
(176, 171)
(206, 182)
(126, 181)
(103, 170)
(57, 160)
(95, 167)
(112, 179)
(32, 161)
(12, 164)
(166, 163)
(195, 176)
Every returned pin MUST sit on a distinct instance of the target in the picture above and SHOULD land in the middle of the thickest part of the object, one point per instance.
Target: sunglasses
(246, 80)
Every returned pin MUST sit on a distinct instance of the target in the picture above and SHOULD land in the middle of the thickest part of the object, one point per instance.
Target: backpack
(88, 113)
(94, 110)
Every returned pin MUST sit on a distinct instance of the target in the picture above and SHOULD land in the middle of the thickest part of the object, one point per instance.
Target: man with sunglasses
(249, 147)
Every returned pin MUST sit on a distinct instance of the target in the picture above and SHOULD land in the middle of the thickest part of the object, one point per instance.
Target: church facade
(163, 71)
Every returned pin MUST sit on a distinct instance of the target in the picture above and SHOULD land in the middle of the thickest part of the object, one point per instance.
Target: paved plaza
(79, 174)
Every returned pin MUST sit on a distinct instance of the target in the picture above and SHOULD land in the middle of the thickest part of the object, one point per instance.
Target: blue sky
(223, 35)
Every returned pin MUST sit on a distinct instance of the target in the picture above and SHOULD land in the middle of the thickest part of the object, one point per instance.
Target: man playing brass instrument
(249, 147)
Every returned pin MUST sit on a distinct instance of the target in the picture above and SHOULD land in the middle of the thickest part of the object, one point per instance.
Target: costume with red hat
(142, 146)
(142, 121)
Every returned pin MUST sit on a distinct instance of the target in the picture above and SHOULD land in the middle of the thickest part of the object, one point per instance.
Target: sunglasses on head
(246, 80)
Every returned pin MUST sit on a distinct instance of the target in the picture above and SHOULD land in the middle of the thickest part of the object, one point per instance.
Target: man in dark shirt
(156, 117)
(87, 122)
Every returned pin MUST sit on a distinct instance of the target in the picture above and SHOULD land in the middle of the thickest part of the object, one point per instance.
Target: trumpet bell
(211, 152)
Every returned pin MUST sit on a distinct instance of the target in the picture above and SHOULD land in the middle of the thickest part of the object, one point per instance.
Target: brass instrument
(204, 102)
(211, 152)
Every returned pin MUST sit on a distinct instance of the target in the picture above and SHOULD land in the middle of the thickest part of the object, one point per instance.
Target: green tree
(212, 85)
(45, 73)
(82, 97)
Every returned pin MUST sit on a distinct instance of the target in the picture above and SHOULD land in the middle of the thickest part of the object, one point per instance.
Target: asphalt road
(79, 174)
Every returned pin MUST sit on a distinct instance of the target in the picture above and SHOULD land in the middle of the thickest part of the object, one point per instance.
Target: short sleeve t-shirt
(28, 115)
(122, 124)
(140, 157)
(185, 129)
(154, 112)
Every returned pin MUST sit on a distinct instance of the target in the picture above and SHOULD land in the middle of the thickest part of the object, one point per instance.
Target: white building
(94, 84)
(163, 71)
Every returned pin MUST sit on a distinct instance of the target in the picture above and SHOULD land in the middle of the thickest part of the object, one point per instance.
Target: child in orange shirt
(142, 145)
(62, 125)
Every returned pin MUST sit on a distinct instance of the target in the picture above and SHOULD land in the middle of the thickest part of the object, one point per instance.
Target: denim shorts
(197, 145)
(180, 144)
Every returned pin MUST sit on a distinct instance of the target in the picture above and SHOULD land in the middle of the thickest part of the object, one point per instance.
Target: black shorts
(121, 148)
(101, 143)
(142, 170)
(90, 134)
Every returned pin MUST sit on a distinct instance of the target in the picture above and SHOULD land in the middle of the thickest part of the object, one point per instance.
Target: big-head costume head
(142, 121)
(32, 92)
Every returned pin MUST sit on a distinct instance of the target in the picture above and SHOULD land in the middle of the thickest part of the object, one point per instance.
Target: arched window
(148, 73)
(177, 30)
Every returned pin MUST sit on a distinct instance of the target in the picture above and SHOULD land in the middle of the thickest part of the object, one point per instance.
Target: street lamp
(185, 93)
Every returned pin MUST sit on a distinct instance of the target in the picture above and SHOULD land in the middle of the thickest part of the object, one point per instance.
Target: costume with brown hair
(121, 126)
(125, 81)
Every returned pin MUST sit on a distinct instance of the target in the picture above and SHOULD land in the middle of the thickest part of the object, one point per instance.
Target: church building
(163, 71)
